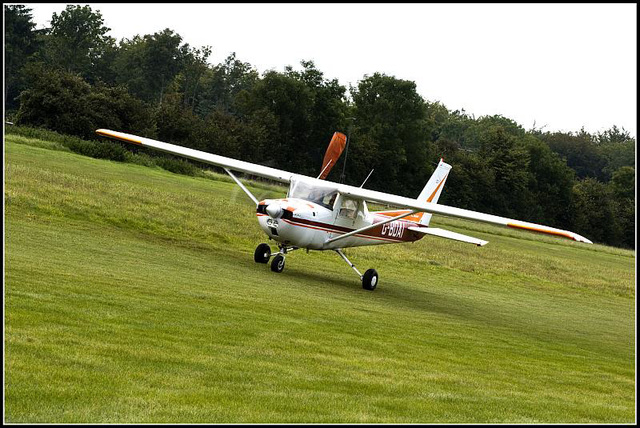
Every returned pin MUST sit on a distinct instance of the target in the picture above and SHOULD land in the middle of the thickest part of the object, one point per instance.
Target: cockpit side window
(331, 199)
(349, 208)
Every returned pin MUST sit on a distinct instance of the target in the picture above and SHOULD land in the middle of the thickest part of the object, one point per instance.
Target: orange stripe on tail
(437, 188)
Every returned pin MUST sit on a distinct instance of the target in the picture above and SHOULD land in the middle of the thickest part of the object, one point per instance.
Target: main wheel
(277, 264)
(370, 280)
(262, 253)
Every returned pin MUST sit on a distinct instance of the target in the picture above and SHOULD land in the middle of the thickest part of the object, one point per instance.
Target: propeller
(274, 210)
(335, 149)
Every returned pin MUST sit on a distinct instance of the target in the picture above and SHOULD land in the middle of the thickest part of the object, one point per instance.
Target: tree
(78, 42)
(470, 183)
(327, 112)
(226, 134)
(623, 187)
(65, 103)
(290, 102)
(550, 184)
(471, 137)
(177, 124)
(613, 135)
(390, 123)
(443, 125)
(580, 151)
(222, 85)
(56, 100)
(623, 182)
(618, 155)
(625, 212)
(595, 212)
(114, 108)
(20, 42)
(194, 68)
(509, 161)
(148, 65)
(618, 149)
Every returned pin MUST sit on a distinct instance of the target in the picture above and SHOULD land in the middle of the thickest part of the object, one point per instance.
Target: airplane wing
(430, 207)
(352, 191)
(221, 161)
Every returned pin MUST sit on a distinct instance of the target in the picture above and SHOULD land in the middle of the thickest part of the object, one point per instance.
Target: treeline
(74, 78)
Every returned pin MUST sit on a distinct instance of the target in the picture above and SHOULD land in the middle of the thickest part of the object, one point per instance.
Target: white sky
(563, 66)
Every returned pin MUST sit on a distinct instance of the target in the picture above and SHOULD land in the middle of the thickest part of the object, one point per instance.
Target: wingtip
(582, 239)
(119, 136)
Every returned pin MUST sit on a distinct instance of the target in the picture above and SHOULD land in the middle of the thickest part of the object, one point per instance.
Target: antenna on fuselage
(346, 151)
(344, 165)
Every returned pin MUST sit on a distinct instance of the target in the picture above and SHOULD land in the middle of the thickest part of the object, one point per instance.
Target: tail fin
(430, 193)
(433, 188)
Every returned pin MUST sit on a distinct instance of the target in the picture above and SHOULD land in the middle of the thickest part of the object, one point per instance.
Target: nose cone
(274, 210)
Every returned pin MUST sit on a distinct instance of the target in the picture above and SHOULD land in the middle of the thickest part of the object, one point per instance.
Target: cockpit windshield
(324, 196)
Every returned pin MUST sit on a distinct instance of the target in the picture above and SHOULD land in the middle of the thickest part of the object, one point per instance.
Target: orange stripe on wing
(413, 217)
(118, 137)
(392, 213)
(537, 229)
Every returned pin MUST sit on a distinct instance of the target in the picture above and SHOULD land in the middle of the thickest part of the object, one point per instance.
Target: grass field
(131, 295)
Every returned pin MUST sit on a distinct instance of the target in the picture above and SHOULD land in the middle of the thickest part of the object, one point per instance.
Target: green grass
(131, 295)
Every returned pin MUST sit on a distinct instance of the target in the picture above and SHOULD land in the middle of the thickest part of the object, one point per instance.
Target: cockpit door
(348, 212)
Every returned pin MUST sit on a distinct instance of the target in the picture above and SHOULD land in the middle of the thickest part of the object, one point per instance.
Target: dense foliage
(73, 78)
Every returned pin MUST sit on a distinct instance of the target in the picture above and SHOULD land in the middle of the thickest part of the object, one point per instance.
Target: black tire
(277, 264)
(262, 253)
(370, 280)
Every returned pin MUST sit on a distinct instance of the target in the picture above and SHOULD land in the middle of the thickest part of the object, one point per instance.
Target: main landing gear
(370, 277)
(263, 254)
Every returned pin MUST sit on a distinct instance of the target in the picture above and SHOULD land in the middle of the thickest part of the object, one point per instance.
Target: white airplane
(324, 215)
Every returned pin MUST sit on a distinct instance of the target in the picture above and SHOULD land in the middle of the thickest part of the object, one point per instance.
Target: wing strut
(371, 226)
(242, 186)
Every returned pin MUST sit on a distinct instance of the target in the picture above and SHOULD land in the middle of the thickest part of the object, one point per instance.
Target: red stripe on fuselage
(374, 233)
(359, 235)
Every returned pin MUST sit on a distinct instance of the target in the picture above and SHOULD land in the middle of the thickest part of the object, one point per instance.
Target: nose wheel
(277, 264)
(263, 254)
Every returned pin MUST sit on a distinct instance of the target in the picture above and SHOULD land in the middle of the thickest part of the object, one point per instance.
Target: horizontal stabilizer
(449, 235)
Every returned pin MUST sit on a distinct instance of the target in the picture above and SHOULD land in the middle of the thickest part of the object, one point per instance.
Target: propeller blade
(336, 146)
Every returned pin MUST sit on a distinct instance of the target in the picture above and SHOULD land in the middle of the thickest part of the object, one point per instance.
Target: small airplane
(324, 215)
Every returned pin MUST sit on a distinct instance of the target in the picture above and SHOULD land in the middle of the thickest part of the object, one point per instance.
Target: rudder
(433, 189)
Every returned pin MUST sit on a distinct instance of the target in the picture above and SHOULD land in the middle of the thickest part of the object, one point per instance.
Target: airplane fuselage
(307, 224)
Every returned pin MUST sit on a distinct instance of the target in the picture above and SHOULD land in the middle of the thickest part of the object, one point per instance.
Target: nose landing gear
(277, 264)
(263, 254)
